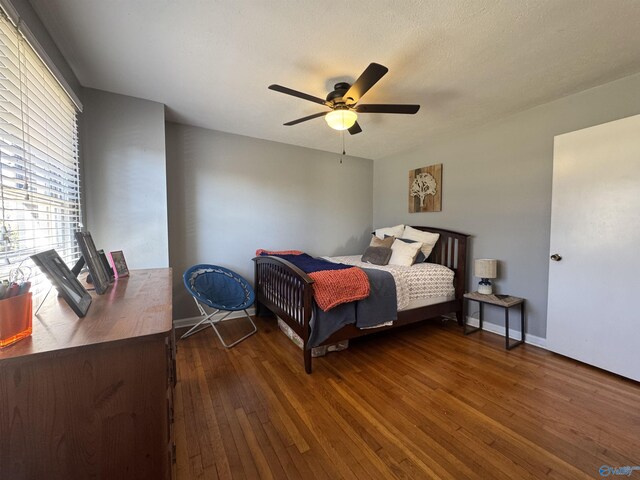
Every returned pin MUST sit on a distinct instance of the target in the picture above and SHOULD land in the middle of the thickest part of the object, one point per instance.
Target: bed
(285, 290)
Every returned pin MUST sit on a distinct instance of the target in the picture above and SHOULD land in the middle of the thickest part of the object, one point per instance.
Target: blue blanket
(379, 307)
(309, 264)
(334, 283)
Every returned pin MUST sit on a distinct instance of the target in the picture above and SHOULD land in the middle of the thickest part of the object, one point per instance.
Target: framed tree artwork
(425, 189)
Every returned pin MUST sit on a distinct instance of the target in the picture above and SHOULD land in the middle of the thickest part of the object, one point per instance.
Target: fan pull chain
(343, 152)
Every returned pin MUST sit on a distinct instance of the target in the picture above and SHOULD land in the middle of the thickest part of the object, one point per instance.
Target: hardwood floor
(424, 402)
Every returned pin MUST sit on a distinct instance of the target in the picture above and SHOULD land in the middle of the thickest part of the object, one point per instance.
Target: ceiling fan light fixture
(341, 119)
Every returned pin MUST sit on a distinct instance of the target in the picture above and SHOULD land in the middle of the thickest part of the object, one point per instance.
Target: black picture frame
(99, 275)
(65, 282)
(107, 266)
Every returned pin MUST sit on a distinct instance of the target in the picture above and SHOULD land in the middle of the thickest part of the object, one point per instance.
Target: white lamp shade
(486, 268)
(341, 119)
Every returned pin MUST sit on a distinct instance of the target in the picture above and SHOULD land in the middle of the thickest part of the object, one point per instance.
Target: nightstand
(504, 301)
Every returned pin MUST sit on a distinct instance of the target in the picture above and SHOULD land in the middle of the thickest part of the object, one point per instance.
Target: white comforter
(418, 282)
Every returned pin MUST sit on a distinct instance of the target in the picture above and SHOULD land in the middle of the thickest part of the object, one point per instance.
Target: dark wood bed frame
(285, 290)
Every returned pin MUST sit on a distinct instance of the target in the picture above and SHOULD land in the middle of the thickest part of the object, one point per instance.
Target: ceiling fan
(343, 101)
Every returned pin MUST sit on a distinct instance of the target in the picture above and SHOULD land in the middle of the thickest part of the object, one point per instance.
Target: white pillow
(427, 239)
(404, 253)
(391, 231)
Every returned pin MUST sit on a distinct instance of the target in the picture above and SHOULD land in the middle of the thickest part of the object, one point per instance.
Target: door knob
(555, 257)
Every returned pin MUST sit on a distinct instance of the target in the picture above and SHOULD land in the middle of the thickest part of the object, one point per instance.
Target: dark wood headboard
(450, 251)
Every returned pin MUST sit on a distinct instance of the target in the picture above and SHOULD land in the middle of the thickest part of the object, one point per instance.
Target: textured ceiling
(465, 62)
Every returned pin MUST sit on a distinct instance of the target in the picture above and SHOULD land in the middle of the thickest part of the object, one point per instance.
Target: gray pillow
(377, 255)
(387, 242)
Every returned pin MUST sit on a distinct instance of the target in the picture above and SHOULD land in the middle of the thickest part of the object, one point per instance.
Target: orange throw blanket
(334, 283)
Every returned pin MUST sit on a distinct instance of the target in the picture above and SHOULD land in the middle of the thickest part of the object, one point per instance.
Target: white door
(594, 289)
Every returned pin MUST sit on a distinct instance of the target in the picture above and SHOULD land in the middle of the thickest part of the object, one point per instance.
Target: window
(40, 174)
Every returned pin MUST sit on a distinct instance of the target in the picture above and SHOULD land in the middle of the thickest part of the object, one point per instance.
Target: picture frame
(99, 275)
(119, 263)
(59, 274)
(107, 266)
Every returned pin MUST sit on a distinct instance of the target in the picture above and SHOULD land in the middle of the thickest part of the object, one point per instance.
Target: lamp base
(485, 287)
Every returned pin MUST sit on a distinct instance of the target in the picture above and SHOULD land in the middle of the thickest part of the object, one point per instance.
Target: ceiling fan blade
(295, 93)
(387, 108)
(355, 129)
(304, 119)
(368, 79)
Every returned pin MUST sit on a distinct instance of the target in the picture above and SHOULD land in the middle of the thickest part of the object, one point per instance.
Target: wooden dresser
(92, 397)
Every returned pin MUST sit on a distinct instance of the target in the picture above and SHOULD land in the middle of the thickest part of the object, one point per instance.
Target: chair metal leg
(207, 320)
(255, 329)
(197, 327)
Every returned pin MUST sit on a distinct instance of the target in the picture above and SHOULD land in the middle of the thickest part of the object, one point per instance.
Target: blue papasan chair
(222, 290)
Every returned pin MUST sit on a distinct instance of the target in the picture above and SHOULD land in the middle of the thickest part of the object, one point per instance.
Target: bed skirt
(315, 351)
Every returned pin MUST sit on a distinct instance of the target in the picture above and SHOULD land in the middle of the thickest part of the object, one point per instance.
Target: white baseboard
(191, 321)
(471, 321)
(515, 334)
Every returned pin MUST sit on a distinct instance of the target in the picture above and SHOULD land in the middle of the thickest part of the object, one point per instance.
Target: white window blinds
(40, 175)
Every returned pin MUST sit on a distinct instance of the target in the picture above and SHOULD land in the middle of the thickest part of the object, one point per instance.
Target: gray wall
(497, 187)
(230, 195)
(125, 184)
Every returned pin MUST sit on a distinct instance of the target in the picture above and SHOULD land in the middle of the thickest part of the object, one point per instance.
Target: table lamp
(485, 268)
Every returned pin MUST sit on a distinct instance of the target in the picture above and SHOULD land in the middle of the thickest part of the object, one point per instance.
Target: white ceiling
(466, 62)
